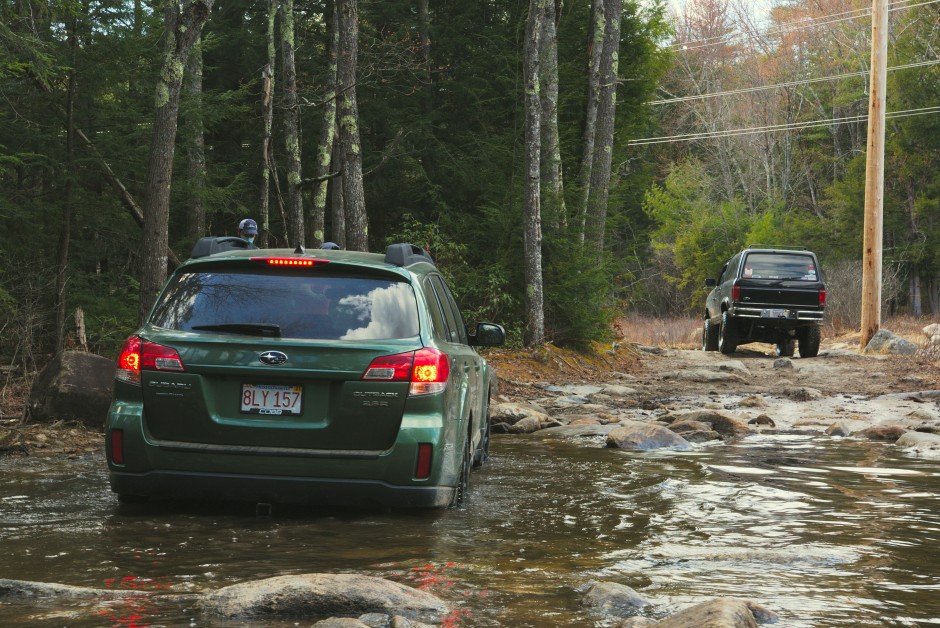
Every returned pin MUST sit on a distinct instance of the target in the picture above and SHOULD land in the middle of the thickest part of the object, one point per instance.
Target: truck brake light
(822, 297)
(735, 293)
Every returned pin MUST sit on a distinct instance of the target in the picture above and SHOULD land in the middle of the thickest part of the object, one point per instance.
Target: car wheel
(785, 348)
(463, 484)
(809, 338)
(727, 335)
(709, 336)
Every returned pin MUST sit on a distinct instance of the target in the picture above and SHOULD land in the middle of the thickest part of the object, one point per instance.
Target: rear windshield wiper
(249, 329)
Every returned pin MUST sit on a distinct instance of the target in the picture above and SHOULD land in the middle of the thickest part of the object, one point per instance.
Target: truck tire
(709, 336)
(809, 338)
(785, 348)
(727, 334)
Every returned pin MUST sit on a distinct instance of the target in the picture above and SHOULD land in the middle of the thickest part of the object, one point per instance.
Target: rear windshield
(790, 266)
(293, 306)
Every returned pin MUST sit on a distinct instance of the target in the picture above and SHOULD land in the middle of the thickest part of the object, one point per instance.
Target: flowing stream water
(822, 531)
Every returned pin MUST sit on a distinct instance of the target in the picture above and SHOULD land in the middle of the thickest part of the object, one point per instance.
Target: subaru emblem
(273, 357)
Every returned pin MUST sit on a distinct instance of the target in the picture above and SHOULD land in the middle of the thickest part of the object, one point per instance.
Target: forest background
(564, 162)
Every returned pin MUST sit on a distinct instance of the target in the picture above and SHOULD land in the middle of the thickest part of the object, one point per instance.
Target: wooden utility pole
(874, 175)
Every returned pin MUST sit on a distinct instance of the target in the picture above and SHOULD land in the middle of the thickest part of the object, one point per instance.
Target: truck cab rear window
(790, 267)
(289, 306)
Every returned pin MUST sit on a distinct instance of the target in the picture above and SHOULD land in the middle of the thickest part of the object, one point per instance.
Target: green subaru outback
(324, 377)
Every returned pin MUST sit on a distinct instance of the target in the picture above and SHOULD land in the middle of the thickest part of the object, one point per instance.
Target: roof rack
(405, 254)
(777, 246)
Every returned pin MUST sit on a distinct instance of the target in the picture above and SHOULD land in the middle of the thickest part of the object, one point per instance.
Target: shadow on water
(824, 532)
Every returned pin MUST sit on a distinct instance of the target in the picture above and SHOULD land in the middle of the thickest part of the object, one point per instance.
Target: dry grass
(668, 333)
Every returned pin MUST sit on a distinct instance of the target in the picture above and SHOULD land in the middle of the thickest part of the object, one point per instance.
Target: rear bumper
(794, 316)
(186, 485)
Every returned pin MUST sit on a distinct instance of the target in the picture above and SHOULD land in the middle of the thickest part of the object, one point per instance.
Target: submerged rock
(638, 435)
(611, 598)
(322, 596)
(723, 612)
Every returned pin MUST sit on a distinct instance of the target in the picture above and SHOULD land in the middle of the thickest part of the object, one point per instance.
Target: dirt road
(838, 387)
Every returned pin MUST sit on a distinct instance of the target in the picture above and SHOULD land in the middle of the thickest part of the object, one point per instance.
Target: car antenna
(299, 250)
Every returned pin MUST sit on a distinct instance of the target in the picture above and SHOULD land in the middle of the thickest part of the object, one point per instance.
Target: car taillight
(117, 446)
(427, 370)
(423, 467)
(391, 368)
(735, 293)
(822, 297)
(137, 355)
(430, 372)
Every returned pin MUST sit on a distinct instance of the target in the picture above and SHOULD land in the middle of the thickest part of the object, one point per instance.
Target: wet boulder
(722, 612)
(727, 426)
(511, 413)
(322, 596)
(920, 443)
(881, 432)
(74, 386)
(837, 429)
(527, 425)
(19, 590)
(639, 435)
(611, 598)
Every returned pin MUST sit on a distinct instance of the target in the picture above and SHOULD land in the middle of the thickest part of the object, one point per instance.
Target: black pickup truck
(766, 294)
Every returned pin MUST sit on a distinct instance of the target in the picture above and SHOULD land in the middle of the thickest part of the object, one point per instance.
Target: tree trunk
(327, 139)
(357, 228)
(196, 149)
(337, 206)
(916, 307)
(184, 22)
(295, 206)
(65, 228)
(606, 116)
(532, 219)
(267, 115)
(554, 193)
(596, 49)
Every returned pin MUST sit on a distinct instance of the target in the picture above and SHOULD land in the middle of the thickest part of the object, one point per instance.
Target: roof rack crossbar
(777, 246)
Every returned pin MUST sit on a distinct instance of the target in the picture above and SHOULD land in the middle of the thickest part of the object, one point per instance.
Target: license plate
(773, 313)
(270, 399)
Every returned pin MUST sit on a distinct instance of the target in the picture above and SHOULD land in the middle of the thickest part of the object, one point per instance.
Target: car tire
(727, 334)
(809, 339)
(463, 484)
(709, 336)
(785, 348)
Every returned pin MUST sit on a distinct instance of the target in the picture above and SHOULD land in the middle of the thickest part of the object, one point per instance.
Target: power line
(775, 127)
(801, 24)
(748, 90)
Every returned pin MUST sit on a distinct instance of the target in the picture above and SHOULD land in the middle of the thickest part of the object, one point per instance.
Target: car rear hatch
(785, 283)
(274, 358)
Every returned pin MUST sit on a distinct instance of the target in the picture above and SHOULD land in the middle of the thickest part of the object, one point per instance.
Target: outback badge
(273, 357)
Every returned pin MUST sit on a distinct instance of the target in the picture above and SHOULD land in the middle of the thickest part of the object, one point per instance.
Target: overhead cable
(775, 127)
(748, 90)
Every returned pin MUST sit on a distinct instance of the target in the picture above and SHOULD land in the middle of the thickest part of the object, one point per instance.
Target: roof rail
(405, 254)
(777, 246)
